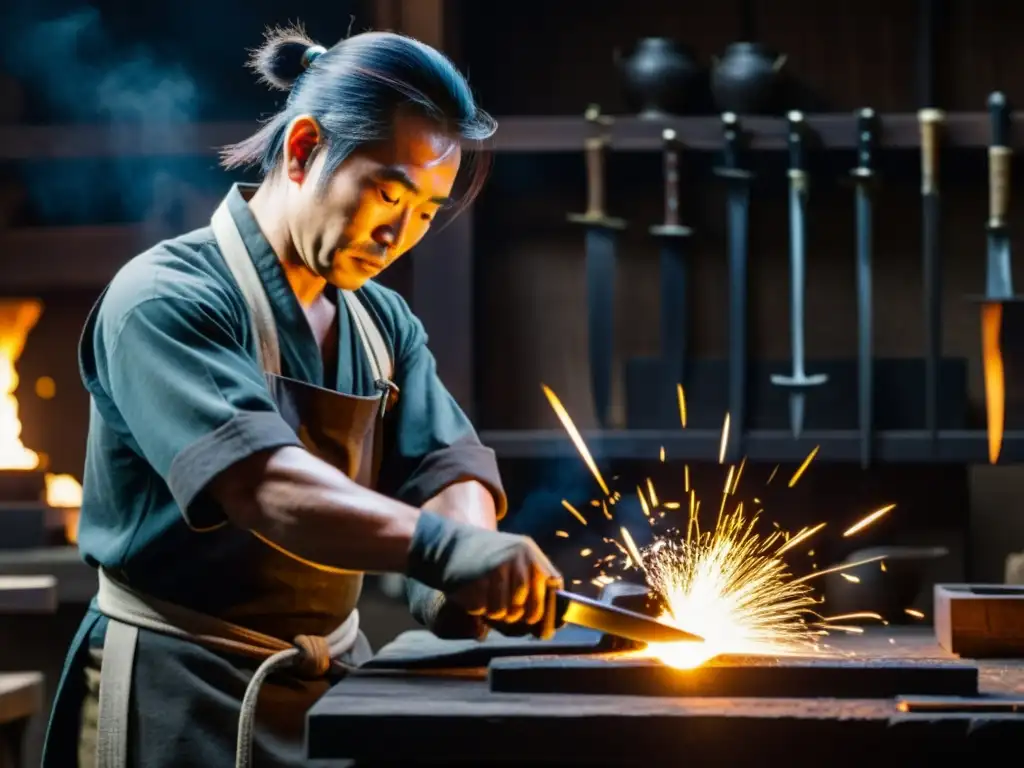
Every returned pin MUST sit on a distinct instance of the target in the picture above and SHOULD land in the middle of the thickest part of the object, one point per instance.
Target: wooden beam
(28, 594)
(516, 133)
(67, 258)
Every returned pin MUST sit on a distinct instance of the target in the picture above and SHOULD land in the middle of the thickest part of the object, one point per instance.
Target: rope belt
(308, 656)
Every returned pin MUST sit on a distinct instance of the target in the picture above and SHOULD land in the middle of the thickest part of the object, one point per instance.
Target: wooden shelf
(516, 133)
(840, 446)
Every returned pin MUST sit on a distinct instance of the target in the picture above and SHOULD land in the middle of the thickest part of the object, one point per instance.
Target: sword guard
(596, 220)
(799, 382)
(670, 231)
(733, 174)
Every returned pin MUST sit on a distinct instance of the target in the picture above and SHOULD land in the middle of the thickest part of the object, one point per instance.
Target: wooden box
(980, 620)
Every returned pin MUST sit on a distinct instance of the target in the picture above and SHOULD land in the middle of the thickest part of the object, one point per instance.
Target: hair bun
(284, 56)
(312, 54)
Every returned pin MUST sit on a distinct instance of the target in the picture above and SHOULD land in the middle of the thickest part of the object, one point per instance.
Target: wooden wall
(556, 58)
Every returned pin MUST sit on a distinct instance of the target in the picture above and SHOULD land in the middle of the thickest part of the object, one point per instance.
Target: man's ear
(300, 142)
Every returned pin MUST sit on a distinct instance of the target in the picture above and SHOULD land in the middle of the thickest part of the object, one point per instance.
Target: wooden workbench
(382, 717)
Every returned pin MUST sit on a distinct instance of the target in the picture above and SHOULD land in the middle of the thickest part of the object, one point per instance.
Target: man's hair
(354, 90)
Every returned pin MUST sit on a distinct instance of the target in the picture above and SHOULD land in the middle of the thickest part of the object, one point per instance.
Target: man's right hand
(500, 576)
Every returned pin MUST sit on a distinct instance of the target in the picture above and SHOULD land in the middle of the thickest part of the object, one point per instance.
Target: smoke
(75, 71)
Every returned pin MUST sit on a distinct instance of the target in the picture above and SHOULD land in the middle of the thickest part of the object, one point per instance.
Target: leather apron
(345, 431)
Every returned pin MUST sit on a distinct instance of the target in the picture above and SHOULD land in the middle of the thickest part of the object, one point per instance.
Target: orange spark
(681, 396)
(801, 537)
(803, 467)
(650, 492)
(837, 568)
(725, 439)
(864, 523)
(574, 512)
(574, 435)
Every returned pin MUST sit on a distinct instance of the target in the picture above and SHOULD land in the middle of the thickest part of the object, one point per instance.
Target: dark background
(501, 291)
(169, 67)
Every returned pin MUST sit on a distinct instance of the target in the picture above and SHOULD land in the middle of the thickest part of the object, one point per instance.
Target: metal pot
(745, 78)
(658, 76)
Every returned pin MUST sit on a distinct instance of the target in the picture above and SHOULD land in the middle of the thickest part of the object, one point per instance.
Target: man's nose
(389, 236)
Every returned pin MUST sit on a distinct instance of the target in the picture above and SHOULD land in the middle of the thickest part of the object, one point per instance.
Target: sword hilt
(732, 141)
(867, 140)
(999, 160)
(796, 141)
(594, 151)
(929, 121)
(671, 157)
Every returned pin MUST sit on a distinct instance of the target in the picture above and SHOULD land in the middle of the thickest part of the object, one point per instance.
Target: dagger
(929, 121)
(998, 274)
(738, 204)
(674, 278)
(864, 176)
(798, 381)
(600, 242)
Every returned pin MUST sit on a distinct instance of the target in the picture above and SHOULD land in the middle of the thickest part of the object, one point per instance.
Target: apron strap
(373, 341)
(129, 611)
(236, 255)
(229, 239)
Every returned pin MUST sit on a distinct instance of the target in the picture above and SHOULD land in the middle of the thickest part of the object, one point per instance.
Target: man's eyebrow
(399, 176)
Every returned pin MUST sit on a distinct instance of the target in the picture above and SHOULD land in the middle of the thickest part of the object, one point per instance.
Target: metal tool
(953, 705)
(998, 273)
(929, 121)
(585, 612)
(864, 178)
(798, 381)
(675, 283)
(601, 239)
(738, 204)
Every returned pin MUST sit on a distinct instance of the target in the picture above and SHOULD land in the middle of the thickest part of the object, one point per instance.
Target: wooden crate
(980, 620)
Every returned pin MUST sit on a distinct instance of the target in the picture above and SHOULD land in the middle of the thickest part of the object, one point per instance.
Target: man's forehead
(421, 143)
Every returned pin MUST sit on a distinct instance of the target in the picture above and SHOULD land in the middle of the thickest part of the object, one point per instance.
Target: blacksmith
(267, 425)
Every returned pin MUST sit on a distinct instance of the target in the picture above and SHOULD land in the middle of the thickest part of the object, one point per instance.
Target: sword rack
(921, 419)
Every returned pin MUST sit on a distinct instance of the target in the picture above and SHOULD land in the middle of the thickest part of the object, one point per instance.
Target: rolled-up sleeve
(193, 399)
(431, 442)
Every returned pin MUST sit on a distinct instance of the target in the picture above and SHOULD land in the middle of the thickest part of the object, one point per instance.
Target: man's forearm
(312, 511)
(467, 501)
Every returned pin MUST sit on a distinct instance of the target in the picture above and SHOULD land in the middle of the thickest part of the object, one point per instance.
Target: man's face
(378, 204)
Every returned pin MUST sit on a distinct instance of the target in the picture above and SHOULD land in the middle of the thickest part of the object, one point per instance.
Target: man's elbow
(237, 490)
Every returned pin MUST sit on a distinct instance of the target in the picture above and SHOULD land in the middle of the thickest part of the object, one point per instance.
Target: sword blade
(998, 272)
(674, 277)
(600, 277)
(865, 362)
(995, 384)
(738, 207)
(933, 313)
(797, 254)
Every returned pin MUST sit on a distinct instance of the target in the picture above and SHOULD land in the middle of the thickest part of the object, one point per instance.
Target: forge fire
(728, 582)
(17, 319)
